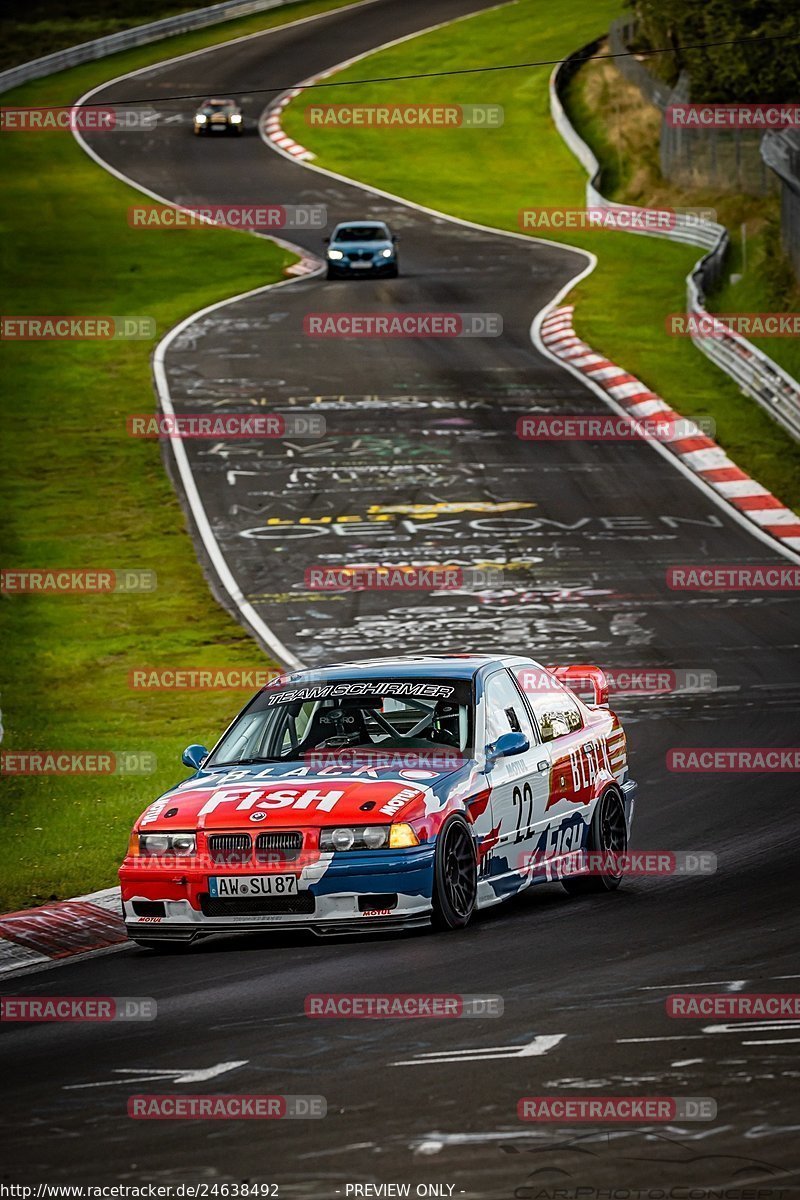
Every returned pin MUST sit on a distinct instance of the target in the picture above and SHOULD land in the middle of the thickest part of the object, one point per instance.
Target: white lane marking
(175, 1074)
(773, 1042)
(782, 548)
(773, 1026)
(675, 1037)
(249, 615)
(734, 985)
(540, 1045)
(687, 1062)
(545, 315)
(276, 106)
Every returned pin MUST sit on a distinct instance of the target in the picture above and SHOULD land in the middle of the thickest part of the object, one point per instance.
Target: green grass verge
(488, 176)
(78, 492)
(623, 131)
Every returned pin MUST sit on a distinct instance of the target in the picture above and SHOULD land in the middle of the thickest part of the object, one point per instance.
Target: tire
(455, 876)
(608, 832)
(392, 273)
(331, 274)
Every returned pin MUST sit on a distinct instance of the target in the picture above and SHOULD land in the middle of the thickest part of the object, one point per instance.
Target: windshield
(362, 233)
(317, 721)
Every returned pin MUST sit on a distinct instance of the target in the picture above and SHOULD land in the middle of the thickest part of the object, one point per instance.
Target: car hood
(287, 795)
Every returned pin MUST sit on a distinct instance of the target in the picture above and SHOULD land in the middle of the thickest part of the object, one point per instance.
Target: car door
(575, 760)
(519, 786)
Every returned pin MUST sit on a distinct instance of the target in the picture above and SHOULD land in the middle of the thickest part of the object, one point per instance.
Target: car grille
(360, 256)
(288, 841)
(257, 906)
(230, 848)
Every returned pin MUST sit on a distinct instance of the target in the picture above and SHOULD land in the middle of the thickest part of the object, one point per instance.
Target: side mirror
(395, 239)
(194, 756)
(326, 240)
(507, 745)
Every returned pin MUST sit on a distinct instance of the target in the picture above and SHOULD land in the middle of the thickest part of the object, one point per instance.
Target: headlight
(167, 843)
(362, 837)
(201, 118)
(336, 254)
(236, 119)
(367, 837)
(387, 253)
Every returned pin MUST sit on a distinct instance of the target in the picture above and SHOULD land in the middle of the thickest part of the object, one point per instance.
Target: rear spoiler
(576, 674)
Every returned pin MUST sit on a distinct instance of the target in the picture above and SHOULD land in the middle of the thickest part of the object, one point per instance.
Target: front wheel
(455, 884)
(608, 833)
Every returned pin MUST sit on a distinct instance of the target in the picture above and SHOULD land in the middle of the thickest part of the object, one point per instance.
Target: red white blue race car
(393, 793)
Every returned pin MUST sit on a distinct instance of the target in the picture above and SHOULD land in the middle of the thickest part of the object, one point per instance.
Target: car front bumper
(342, 267)
(342, 892)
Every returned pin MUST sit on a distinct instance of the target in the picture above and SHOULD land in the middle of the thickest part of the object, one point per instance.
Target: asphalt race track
(422, 460)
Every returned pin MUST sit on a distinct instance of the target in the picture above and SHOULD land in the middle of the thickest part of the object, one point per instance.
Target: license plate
(360, 266)
(252, 885)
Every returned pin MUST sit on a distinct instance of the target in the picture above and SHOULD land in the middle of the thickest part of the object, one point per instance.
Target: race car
(385, 794)
(362, 248)
(218, 116)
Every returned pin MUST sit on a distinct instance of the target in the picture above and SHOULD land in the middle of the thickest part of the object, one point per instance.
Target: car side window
(556, 713)
(505, 709)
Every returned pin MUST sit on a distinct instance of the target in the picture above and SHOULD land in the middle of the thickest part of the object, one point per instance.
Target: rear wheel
(608, 833)
(455, 885)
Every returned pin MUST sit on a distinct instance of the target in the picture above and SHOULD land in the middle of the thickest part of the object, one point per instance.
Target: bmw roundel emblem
(258, 816)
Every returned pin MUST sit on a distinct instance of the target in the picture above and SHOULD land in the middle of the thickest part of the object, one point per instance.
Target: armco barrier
(126, 39)
(755, 373)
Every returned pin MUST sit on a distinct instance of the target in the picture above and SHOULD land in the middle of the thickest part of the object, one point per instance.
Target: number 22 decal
(522, 800)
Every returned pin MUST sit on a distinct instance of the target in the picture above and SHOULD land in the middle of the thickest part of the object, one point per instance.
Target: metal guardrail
(755, 373)
(126, 39)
